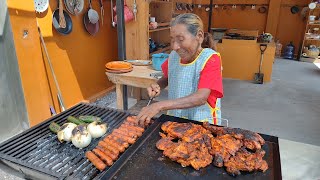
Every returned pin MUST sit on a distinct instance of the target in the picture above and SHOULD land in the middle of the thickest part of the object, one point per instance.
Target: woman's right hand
(153, 90)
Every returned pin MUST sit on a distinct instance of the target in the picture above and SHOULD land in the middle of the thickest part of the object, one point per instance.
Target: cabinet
(311, 35)
(138, 32)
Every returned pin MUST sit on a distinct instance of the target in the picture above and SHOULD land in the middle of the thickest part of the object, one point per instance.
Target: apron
(183, 80)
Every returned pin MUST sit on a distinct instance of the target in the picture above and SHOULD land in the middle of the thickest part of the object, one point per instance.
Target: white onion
(97, 129)
(81, 137)
(65, 132)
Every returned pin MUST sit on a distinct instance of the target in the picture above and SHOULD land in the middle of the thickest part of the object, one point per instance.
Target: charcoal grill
(38, 154)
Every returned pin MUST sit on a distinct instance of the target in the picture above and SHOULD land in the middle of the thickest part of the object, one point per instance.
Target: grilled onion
(97, 129)
(80, 136)
(65, 132)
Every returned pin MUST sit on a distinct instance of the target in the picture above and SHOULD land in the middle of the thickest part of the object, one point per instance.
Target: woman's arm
(196, 99)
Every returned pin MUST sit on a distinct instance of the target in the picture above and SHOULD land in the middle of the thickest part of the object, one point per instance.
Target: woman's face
(184, 43)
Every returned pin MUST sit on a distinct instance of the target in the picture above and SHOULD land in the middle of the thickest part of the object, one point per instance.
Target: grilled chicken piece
(188, 132)
(223, 147)
(250, 139)
(246, 161)
(195, 153)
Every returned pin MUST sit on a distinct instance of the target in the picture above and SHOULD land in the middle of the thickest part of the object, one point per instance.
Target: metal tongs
(150, 99)
(102, 11)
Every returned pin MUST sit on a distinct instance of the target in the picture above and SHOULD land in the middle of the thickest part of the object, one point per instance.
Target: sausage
(107, 152)
(125, 133)
(132, 119)
(131, 133)
(103, 156)
(122, 146)
(114, 145)
(122, 142)
(133, 124)
(129, 139)
(119, 136)
(130, 130)
(136, 128)
(95, 161)
(108, 147)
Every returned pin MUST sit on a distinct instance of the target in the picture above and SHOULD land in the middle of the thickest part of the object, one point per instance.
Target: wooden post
(119, 91)
(273, 17)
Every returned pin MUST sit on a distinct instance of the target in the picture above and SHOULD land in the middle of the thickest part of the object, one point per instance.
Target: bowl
(158, 60)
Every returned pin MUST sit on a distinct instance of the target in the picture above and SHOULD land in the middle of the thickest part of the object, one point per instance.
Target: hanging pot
(56, 20)
(294, 9)
(262, 10)
(92, 28)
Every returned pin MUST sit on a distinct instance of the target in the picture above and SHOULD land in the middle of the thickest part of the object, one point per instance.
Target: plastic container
(289, 51)
(158, 60)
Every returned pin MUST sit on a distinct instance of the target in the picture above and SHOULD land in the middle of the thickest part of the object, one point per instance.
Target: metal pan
(55, 21)
(92, 29)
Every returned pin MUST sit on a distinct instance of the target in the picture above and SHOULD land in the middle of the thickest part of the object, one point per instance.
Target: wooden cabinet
(311, 35)
(138, 32)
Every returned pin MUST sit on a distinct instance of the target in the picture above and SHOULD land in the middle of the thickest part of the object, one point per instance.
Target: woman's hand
(148, 112)
(153, 90)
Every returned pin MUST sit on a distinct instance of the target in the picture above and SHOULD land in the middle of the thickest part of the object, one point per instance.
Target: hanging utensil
(135, 10)
(41, 5)
(74, 7)
(62, 20)
(92, 28)
(101, 11)
(93, 14)
(55, 21)
(60, 99)
(113, 23)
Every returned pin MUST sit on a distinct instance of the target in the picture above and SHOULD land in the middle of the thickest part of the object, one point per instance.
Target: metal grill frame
(30, 151)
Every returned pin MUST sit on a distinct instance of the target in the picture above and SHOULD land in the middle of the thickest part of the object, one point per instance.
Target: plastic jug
(289, 51)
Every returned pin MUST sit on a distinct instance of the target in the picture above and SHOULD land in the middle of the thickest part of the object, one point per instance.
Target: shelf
(158, 29)
(157, 1)
(313, 24)
(312, 39)
(160, 50)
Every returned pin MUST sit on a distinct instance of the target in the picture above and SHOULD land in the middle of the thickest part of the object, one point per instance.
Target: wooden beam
(273, 17)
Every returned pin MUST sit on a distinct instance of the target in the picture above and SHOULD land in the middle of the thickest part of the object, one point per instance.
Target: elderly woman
(192, 74)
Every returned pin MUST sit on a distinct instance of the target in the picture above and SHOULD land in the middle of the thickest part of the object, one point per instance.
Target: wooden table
(139, 77)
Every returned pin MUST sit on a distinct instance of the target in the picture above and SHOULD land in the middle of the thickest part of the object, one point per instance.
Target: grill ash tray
(147, 162)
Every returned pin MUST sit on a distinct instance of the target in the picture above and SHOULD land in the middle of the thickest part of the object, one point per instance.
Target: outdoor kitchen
(159, 89)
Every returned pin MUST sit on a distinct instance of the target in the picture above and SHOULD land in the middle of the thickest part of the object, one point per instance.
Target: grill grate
(39, 149)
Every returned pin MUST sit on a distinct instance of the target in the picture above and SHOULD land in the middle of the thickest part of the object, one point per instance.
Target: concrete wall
(13, 114)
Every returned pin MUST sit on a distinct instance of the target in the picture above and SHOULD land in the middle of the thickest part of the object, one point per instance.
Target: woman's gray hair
(190, 20)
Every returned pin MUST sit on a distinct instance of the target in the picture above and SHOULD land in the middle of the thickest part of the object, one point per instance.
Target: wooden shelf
(158, 29)
(160, 50)
(157, 1)
(312, 39)
(318, 21)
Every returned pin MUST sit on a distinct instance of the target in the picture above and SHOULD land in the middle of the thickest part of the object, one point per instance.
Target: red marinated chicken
(198, 146)
(246, 161)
